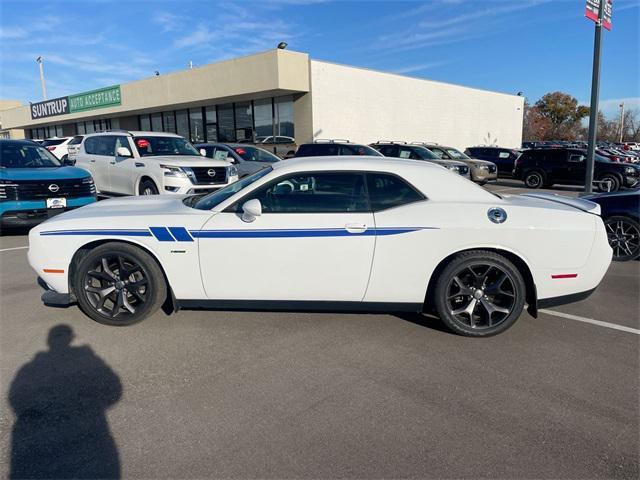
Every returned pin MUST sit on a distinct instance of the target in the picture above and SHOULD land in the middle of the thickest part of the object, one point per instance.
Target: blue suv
(34, 185)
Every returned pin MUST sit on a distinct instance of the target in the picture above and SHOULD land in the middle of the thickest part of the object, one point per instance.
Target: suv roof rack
(331, 140)
(425, 143)
(118, 130)
(393, 142)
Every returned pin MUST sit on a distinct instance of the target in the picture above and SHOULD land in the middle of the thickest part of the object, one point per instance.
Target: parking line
(591, 321)
(14, 248)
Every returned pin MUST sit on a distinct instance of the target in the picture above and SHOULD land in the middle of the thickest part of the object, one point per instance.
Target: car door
(314, 241)
(576, 162)
(100, 150)
(503, 160)
(122, 170)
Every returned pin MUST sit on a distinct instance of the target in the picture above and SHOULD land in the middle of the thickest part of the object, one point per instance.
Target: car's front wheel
(119, 284)
(534, 179)
(624, 238)
(147, 187)
(479, 293)
(609, 183)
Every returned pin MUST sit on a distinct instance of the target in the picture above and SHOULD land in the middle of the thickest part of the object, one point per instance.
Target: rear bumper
(21, 213)
(564, 299)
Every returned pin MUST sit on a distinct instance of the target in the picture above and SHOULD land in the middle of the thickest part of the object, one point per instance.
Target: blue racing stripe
(162, 234)
(303, 233)
(117, 232)
(181, 234)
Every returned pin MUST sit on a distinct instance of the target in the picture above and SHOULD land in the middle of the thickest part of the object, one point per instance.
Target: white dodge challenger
(327, 234)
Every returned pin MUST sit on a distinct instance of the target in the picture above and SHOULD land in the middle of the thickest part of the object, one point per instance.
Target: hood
(142, 208)
(40, 174)
(477, 161)
(448, 163)
(185, 160)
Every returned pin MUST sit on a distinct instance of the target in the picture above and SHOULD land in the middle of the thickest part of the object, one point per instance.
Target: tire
(612, 181)
(494, 309)
(64, 158)
(482, 182)
(623, 234)
(147, 187)
(534, 179)
(128, 299)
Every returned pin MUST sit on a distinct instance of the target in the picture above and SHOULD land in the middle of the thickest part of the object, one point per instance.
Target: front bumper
(184, 186)
(630, 182)
(22, 213)
(482, 175)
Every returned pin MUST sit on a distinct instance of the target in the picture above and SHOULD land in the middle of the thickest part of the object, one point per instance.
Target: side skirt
(298, 306)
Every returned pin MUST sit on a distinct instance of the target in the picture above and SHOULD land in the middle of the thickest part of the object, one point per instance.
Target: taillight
(51, 148)
(240, 151)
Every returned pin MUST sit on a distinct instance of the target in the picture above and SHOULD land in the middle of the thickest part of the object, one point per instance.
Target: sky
(529, 46)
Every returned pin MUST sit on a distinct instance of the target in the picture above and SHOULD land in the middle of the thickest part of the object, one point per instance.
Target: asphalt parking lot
(274, 395)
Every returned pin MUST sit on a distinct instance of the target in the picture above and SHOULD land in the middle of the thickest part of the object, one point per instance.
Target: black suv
(322, 148)
(504, 158)
(567, 166)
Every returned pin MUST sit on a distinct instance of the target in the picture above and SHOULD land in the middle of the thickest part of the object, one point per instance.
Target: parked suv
(247, 158)
(281, 145)
(35, 186)
(418, 152)
(73, 147)
(481, 171)
(504, 158)
(567, 166)
(149, 163)
(58, 146)
(322, 148)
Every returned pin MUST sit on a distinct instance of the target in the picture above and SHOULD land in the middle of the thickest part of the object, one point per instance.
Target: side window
(438, 153)
(389, 150)
(122, 142)
(220, 153)
(76, 140)
(326, 192)
(307, 150)
(407, 152)
(104, 145)
(504, 154)
(577, 157)
(387, 191)
(90, 145)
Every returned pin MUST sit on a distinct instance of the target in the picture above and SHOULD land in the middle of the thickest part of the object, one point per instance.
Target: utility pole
(621, 121)
(40, 62)
(595, 91)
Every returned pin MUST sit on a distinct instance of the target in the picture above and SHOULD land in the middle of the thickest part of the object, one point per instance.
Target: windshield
(210, 201)
(425, 153)
(153, 146)
(49, 142)
(457, 154)
(254, 154)
(17, 155)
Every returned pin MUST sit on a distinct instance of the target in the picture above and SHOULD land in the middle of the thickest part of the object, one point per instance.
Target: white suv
(149, 163)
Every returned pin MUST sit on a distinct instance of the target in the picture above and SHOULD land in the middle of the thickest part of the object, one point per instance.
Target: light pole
(40, 62)
(621, 121)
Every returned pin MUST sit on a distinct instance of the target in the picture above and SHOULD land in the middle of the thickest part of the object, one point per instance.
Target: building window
(89, 127)
(145, 123)
(80, 128)
(263, 117)
(226, 127)
(284, 116)
(196, 125)
(211, 121)
(182, 123)
(58, 130)
(244, 121)
(169, 122)
(156, 122)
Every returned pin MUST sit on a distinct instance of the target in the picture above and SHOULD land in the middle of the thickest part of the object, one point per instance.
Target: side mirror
(251, 210)
(203, 152)
(68, 162)
(123, 152)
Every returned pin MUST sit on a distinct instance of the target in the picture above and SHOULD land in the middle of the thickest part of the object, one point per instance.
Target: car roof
(135, 133)
(351, 162)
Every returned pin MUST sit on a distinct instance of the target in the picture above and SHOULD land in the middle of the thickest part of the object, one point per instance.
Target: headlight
(483, 167)
(232, 171)
(171, 171)
(453, 168)
(630, 170)
(88, 180)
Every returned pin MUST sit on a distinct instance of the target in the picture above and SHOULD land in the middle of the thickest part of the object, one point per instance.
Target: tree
(563, 113)
(536, 126)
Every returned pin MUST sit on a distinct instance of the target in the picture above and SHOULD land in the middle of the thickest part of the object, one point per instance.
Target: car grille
(202, 176)
(30, 190)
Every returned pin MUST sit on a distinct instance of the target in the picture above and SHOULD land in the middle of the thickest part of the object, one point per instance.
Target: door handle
(92, 160)
(355, 227)
(112, 162)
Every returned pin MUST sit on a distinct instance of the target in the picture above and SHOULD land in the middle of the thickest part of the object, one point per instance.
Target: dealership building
(283, 93)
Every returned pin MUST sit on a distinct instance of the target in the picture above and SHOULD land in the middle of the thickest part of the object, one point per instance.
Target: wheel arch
(531, 295)
(170, 304)
(142, 178)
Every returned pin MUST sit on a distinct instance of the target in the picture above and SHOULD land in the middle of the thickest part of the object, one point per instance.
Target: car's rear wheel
(479, 293)
(147, 187)
(534, 179)
(624, 237)
(119, 284)
(609, 183)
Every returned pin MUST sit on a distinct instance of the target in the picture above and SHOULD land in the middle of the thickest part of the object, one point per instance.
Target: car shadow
(60, 400)
(424, 320)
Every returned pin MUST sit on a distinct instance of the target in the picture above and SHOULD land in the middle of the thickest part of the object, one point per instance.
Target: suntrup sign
(104, 97)
(49, 108)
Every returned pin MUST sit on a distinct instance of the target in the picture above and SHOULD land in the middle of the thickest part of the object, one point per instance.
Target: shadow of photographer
(60, 400)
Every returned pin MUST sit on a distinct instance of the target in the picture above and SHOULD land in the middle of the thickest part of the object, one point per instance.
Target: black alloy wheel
(147, 187)
(623, 234)
(119, 284)
(533, 179)
(480, 293)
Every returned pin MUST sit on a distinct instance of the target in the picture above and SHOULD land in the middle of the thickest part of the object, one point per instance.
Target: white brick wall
(364, 106)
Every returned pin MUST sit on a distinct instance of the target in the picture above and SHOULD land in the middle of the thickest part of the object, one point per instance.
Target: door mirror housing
(203, 152)
(251, 210)
(123, 152)
(68, 162)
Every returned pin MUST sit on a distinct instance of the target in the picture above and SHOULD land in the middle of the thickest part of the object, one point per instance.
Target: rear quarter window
(388, 191)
